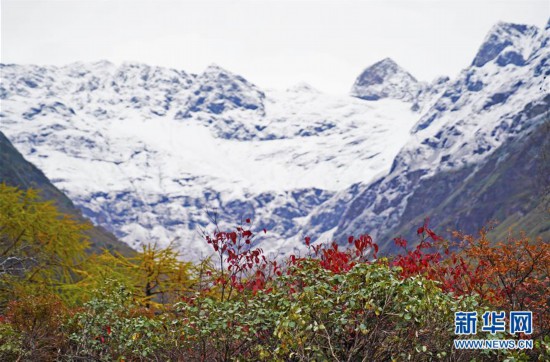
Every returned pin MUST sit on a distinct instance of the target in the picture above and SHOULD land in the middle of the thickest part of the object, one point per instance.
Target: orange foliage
(512, 275)
(39, 320)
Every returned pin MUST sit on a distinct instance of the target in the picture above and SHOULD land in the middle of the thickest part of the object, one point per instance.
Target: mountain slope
(505, 189)
(16, 171)
(491, 103)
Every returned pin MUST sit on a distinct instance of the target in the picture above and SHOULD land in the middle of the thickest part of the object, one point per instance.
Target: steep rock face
(18, 172)
(489, 105)
(98, 89)
(217, 90)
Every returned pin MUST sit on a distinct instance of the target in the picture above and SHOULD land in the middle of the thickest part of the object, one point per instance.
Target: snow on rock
(508, 43)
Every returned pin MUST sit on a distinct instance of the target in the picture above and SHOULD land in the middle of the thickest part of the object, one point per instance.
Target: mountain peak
(389, 62)
(385, 79)
(217, 90)
(216, 73)
(214, 68)
(103, 63)
(505, 35)
(383, 68)
(127, 64)
(302, 87)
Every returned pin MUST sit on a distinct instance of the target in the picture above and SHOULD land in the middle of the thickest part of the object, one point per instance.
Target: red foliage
(451, 269)
(241, 266)
(337, 260)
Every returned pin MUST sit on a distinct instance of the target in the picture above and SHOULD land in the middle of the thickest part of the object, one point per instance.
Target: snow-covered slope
(147, 151)
(501, 96)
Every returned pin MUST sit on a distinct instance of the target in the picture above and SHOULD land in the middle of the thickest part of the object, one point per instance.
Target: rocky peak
(217, 90)
(302, 87)
(385, 79)
(508, 43)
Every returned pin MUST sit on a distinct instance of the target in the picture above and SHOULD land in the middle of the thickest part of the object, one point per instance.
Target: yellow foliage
(39, 246)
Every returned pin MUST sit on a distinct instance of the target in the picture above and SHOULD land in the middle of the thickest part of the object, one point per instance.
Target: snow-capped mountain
(148, 151)
(500, 98)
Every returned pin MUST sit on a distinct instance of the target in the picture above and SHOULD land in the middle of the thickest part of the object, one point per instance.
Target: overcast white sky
(272, 43)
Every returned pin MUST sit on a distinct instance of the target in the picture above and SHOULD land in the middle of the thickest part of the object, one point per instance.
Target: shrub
(11, 344)
(368, 313)
(312, 313)
(509, 275)
(112, 327)
(34, 329)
